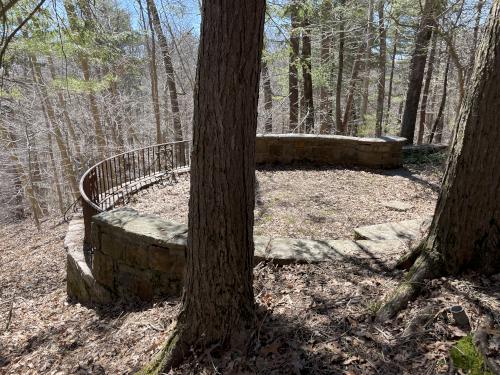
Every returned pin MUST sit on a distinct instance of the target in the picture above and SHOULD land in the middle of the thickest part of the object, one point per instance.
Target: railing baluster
(103, 184)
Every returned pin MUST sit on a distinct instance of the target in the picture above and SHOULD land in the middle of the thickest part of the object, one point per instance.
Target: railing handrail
(89, 170)
(111, 179)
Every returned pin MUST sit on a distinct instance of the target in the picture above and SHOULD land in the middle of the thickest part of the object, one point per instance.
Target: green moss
(157, 365)
(466, 357)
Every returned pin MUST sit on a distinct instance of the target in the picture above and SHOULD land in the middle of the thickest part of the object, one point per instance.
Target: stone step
(291, 250)
(400, 230)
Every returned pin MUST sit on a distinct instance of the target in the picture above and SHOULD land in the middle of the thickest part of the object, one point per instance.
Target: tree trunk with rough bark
(391, 77)
(437, 128)
(308, 106)
(325, 115)
(465, 231)
(150, 43)
(169, 70)
(218, 301)
(367, 62)
(293, 71)
(350, 93)
(427, 85)
(417, 69)
(268, 97)
(340, 72)
(382, 57)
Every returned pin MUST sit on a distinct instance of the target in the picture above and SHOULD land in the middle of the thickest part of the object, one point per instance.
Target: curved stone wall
(384, 152)
(142, 257)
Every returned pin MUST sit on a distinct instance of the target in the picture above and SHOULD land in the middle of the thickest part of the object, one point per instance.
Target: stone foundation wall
(138, 256)
(385, 152)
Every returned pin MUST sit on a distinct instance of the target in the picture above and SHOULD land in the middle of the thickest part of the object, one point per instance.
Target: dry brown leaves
(322, 203)
(312, 319)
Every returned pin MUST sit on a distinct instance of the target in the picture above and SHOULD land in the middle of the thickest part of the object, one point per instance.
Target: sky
(183, 13)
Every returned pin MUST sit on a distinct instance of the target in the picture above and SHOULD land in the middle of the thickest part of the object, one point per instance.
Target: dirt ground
(302, 201)
(312, 319)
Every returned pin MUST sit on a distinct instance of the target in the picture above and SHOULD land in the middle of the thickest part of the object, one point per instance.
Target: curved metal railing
(112, 180)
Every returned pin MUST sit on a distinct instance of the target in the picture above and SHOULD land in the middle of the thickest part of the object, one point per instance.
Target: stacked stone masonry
(138, 256)
(141, 257)
(385, 152)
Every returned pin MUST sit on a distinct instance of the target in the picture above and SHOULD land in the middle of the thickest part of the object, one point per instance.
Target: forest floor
(303, 201)
(312, 319)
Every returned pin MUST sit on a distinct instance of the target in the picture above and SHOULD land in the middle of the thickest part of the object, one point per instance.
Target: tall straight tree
(465, 231)
(382, 57)
(366, 63)
(169, 69)
(340, 72)
(307, 98)
(427, 86)
(417, 68)
(218, 300)
(293, 71)
(325, 104)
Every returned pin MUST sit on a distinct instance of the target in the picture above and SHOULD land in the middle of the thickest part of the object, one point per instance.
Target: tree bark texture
(427, 85)
(218, 301)
(169, 70)
(367, 61)
(465, 231)
(325, 116)
(268, 97)
(382, 57)
(340, 72)
(293, 71)
(417, 68)
(308, 107)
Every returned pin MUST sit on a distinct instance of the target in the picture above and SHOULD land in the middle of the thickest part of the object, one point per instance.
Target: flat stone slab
(397, 205)
(400, 230)
(291, 250)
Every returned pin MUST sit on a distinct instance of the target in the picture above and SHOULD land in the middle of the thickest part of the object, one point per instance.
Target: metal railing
(113, 180)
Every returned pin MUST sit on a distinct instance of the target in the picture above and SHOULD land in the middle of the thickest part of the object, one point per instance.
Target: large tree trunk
(465, 231)
(417, 68)
(308, 107)
(293, 71)
(169, 70)
(479, 9)
(382, 57)
(427, 85)
(218, 301)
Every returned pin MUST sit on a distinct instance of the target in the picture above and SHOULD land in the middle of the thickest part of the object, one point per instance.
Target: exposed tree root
(171, 355)
(407, 260)
(425, 267)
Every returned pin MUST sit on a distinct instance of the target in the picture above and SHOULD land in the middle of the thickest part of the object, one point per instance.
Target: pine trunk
(268, 97)
(427, 85)
(465, 231)
(340, 72)
(218, 301)
(293, 71)
(307, 76)
(169, 70)
(382, 68)
(417, 69)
